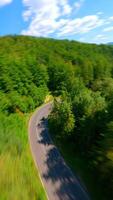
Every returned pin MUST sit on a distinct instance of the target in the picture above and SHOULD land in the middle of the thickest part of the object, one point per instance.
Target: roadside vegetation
(18, 175)
(82, 118)
(82, 129)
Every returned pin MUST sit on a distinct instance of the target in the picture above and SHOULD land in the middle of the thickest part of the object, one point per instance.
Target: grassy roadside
(80, 167)
(18, 175)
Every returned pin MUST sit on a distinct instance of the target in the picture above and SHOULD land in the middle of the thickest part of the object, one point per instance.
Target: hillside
(28, 65)
(82, 74)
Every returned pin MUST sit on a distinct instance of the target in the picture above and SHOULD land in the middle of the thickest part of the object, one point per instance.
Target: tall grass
(18, 176)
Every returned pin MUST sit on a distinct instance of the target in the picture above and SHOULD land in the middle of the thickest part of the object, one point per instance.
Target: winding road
(57, 178)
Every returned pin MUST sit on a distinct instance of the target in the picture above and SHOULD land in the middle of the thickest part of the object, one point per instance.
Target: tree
(62, 120)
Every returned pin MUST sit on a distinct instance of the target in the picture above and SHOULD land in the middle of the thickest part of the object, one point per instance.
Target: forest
(80, 78)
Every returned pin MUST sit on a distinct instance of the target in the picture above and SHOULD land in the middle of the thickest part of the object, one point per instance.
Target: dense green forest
(81, 75)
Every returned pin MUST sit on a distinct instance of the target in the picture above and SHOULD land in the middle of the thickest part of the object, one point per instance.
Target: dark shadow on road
(45, 139)
(69, 187)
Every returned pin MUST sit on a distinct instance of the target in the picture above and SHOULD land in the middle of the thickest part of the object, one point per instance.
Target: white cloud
(27, 14)
(108, 29)
(111, 18)
(100, 13)
(47, 16)
(66, 8)
(82, 39)
(78, 4)
(44, 14)
(81, 25)
(5, 2)
(43, 8)
(100, 36)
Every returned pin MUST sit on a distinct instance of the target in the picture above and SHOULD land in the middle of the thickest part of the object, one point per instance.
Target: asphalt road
(57, 178)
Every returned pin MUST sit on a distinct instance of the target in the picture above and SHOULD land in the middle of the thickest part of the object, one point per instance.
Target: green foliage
(5, 103)
(18, 176)
(62, 119)
(61, 77)
(105, 86)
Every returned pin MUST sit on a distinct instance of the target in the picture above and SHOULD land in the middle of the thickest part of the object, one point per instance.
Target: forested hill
(28, 66)
(82, 74)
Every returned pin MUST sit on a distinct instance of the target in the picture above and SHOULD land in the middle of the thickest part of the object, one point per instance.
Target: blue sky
(83, 20)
